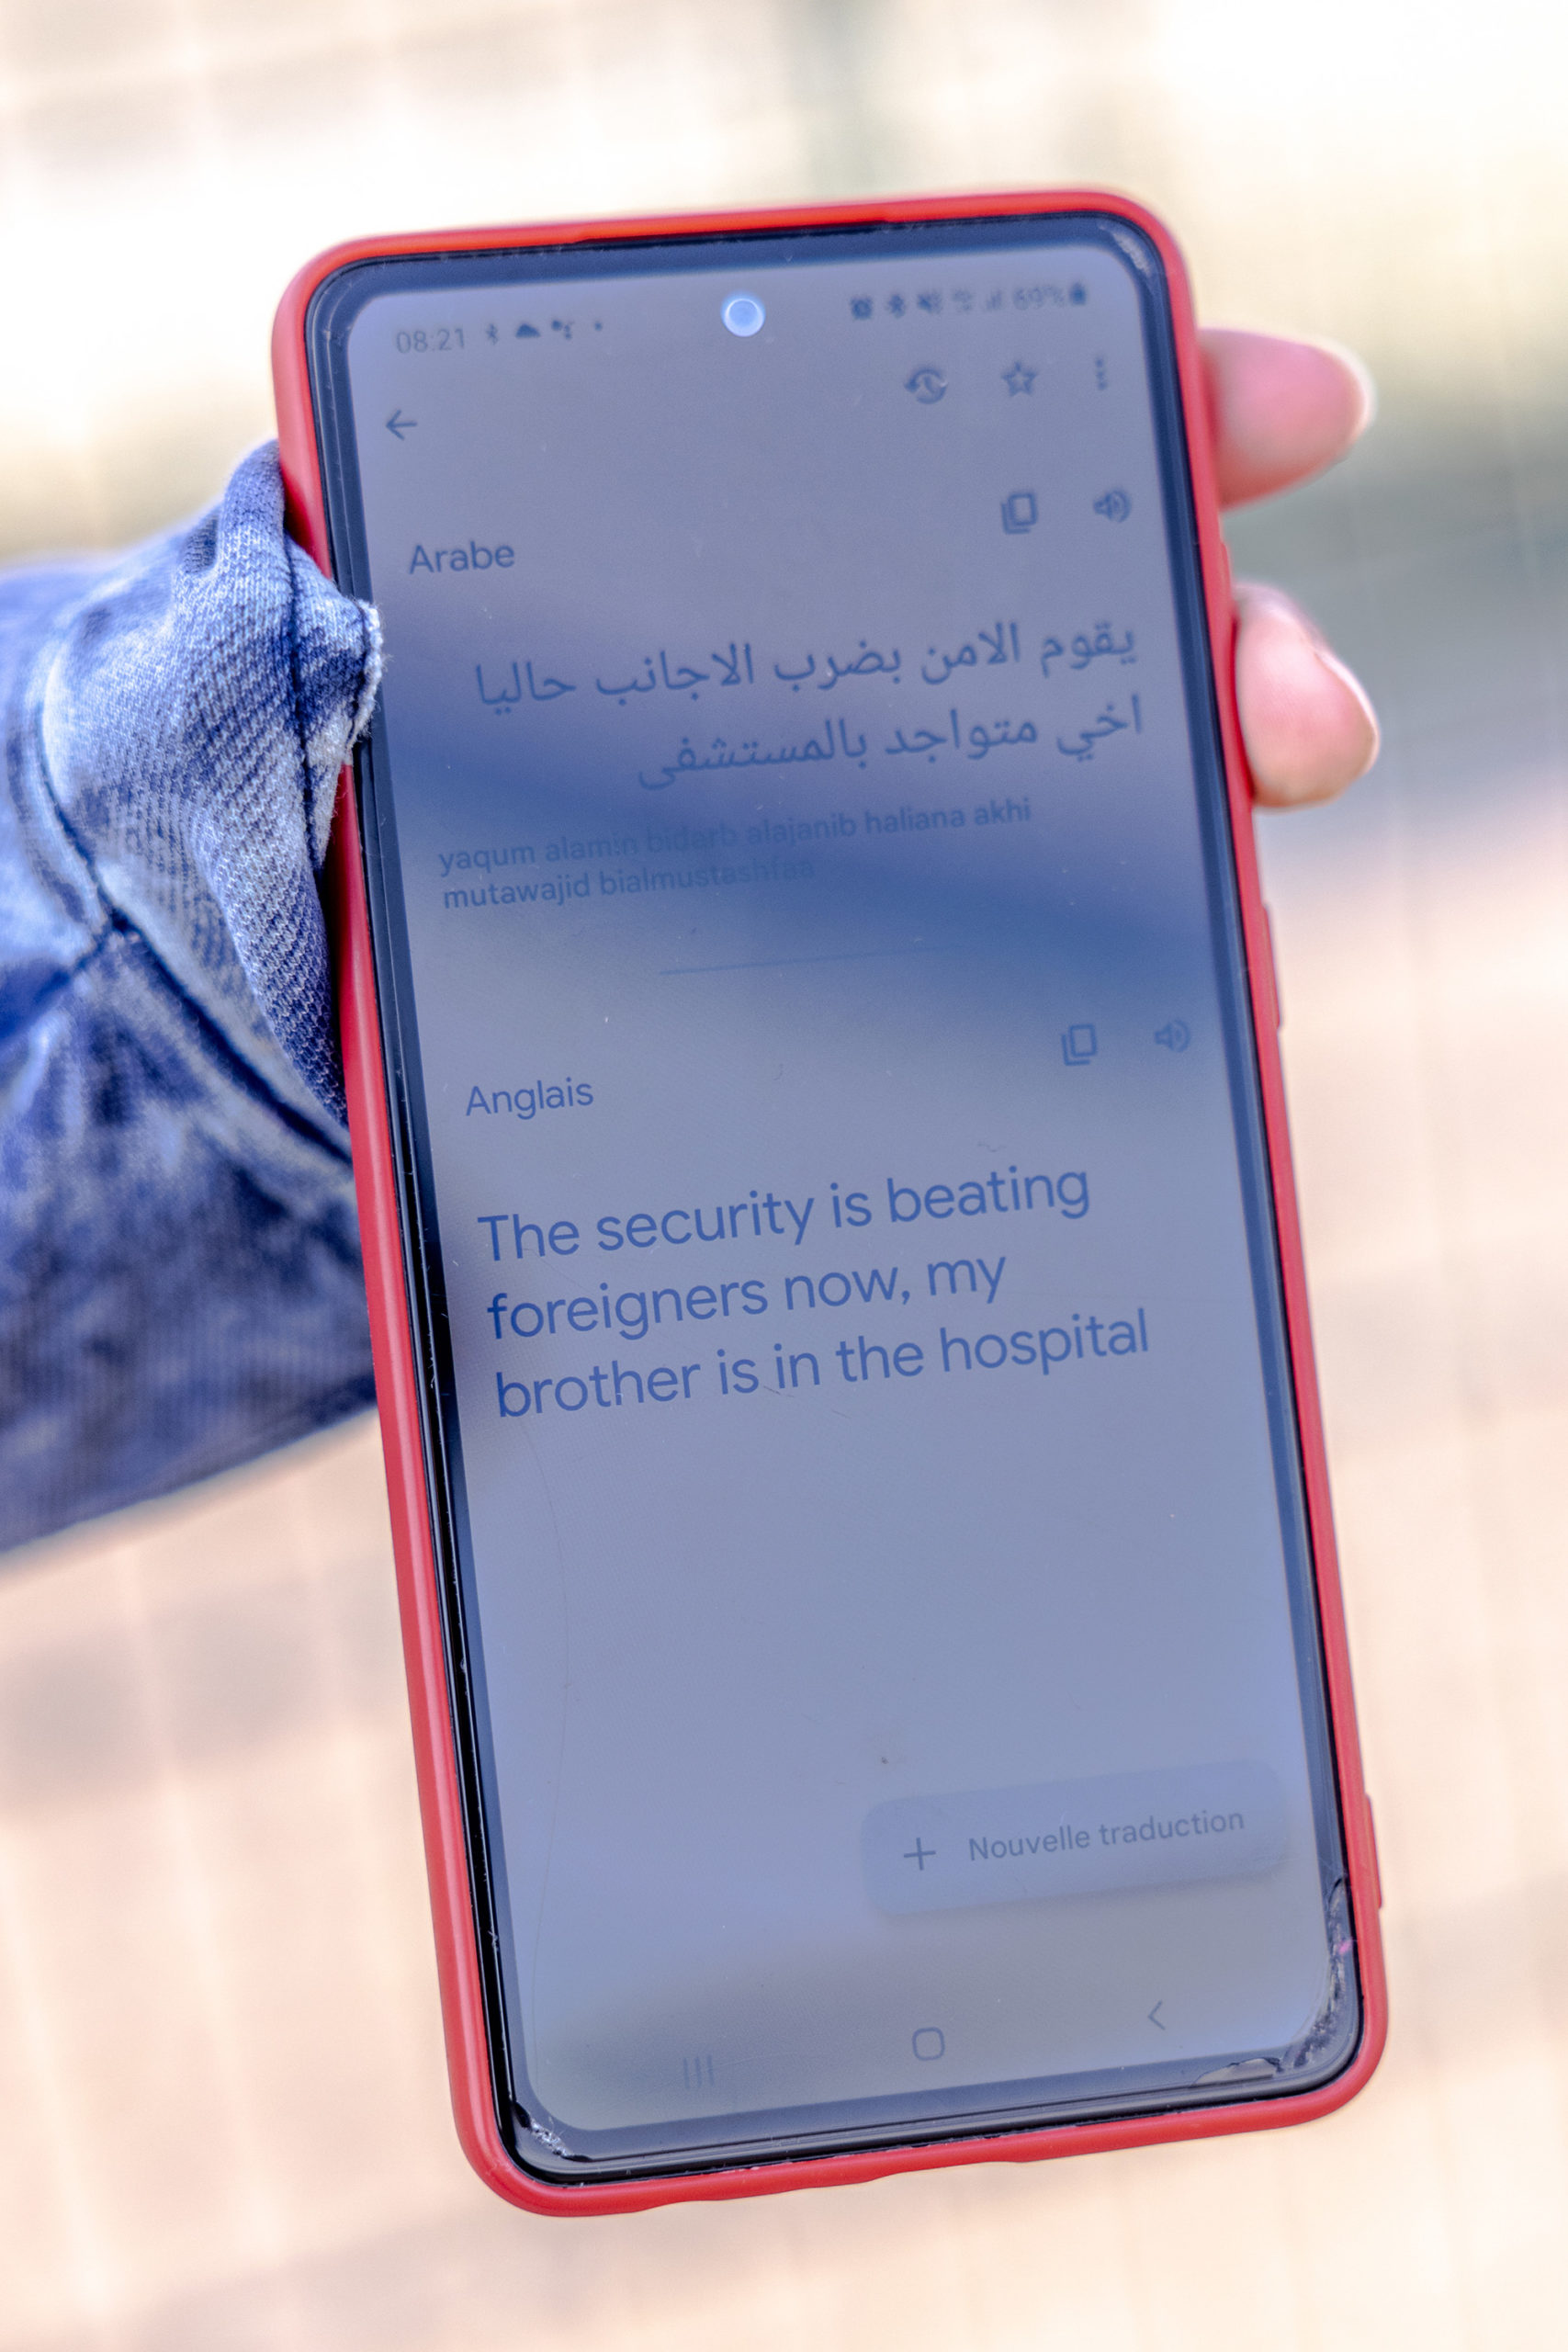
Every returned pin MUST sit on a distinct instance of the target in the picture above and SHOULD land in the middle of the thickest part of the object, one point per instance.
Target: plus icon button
(920, 1853)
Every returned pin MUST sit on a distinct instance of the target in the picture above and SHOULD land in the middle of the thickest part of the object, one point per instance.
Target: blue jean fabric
(180, 1285)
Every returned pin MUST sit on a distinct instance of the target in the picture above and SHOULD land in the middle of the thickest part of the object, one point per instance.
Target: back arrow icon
(400, 424)
(1154, 2017)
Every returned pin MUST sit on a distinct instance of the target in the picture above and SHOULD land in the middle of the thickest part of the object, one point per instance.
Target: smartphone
(879, 1673)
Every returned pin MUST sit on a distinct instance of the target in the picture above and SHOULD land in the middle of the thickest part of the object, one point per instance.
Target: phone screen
(810, 965)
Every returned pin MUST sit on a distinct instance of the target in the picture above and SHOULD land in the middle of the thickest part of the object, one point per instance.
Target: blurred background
(223, 2120)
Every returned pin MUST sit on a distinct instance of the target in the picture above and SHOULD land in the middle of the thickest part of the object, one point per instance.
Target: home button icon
(930, 2042)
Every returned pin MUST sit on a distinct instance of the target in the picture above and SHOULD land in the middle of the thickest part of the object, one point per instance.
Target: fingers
(1279, 411)
(1308, 725)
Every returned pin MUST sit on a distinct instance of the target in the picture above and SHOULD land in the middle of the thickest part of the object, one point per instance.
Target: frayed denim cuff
(180, 1286)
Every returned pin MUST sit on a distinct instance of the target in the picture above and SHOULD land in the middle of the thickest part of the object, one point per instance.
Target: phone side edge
(391, 1335)
(1262, 981)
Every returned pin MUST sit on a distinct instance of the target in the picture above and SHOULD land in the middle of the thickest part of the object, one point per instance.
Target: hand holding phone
(864, 1544)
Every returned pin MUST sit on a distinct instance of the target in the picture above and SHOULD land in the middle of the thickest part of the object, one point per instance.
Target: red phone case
(397, 1378)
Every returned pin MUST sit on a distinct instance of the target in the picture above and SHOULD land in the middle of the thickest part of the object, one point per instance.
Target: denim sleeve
(180, 1285)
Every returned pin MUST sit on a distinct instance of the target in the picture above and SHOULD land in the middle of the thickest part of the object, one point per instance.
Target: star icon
(1017, 378)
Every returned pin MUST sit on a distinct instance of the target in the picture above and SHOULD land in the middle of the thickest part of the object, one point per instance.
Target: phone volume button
(1227, 582)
